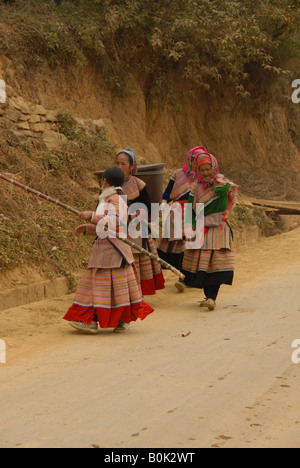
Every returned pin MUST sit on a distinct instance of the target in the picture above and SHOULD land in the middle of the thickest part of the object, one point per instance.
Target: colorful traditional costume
(109, 291)
(213, 264)
(171, 248)
(149, 272)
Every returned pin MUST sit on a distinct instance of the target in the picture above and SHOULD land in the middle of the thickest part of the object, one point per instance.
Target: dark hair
(114, 176)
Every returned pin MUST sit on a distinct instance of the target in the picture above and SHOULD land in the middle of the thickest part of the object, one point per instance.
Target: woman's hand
(219, 180)
(189, 233)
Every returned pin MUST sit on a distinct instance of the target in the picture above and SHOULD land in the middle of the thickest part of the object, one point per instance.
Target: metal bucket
(152, 175)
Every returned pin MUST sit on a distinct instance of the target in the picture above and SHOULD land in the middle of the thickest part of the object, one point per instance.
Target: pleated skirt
(110, 295)
(208, 267)
(149, 272)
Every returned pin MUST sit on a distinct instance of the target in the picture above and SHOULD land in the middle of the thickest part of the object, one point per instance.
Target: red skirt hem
(108, 318)
(149, 287)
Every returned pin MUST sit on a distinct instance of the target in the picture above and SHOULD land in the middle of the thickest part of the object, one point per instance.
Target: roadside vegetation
(238, 43)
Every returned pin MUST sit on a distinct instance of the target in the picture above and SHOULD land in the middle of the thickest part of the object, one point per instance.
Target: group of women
(208, 267)
(111, 292)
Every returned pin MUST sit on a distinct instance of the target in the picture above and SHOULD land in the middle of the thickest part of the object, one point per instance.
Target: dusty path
(230, 383)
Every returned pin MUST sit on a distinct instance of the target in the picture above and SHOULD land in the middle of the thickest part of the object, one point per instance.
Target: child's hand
(85, 215)
(80, 229)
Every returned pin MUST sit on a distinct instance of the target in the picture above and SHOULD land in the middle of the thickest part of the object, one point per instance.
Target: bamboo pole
(73, 210)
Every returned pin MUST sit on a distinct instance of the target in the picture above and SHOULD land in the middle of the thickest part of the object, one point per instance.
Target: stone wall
(35, 123)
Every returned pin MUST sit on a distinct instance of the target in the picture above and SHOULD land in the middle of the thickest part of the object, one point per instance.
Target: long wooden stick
(73, 210)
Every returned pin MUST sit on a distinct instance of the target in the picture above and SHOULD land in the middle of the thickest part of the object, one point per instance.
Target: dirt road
(229, 383)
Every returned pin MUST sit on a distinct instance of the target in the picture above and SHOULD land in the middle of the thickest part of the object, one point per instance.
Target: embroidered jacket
(109, 252)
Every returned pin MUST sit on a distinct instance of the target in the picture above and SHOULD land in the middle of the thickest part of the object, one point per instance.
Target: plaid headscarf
(130, 152)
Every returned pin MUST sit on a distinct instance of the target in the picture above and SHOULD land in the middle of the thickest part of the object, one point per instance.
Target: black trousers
(211, 292)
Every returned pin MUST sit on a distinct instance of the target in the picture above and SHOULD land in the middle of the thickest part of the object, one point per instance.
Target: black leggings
(211, 292)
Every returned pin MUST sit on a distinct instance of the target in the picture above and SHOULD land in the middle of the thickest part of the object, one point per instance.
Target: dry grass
(35, 232)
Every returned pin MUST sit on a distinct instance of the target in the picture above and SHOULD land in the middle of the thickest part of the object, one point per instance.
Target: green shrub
(205, 42)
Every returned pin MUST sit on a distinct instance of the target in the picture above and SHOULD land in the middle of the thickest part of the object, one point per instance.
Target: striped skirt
(109, 294)
(170, 243)
(214, 263)
(149, 272)
(170, 247)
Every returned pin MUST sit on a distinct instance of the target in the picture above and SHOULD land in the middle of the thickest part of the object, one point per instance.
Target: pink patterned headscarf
(187, 168)
(202, 157)
(208, 158)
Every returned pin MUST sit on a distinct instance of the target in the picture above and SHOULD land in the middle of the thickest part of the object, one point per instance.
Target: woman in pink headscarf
(172, 245)
(212, 265)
